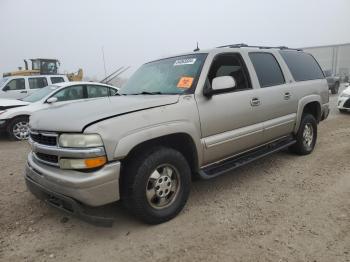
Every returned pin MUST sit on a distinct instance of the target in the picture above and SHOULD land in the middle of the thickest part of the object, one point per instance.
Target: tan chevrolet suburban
(199, 114)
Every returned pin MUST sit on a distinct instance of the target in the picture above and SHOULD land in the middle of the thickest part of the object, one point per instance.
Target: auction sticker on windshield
(185, 82)
(187, 61)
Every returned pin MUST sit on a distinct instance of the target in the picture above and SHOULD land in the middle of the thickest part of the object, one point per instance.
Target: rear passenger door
(276, 103)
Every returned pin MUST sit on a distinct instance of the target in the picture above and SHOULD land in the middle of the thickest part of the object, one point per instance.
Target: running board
(230, 164)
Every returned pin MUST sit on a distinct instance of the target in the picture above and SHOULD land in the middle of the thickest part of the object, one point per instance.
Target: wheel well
(180, 141)
(314, 109)
(20, 116)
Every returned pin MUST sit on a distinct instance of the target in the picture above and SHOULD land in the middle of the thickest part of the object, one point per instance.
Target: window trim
(231, 90)
(279, 66)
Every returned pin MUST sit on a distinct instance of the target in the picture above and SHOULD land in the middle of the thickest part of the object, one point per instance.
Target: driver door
(230, 122)
(15, 88)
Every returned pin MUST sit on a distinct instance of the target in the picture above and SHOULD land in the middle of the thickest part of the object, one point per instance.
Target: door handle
(287, 96)
(255, 101)
(23, 92)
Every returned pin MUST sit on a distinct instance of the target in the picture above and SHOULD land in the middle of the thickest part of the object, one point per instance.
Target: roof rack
(260, 47)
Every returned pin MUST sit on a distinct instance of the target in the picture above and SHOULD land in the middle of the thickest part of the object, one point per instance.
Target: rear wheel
(18, 128)
(156, 185)
(306, 136)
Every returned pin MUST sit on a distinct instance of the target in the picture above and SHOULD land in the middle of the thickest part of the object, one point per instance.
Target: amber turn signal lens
(95, 162)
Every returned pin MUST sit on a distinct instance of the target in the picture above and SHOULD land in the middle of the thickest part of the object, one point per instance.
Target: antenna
(104, 62)
(197, 48)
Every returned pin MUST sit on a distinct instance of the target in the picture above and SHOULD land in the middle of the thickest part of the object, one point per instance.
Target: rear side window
(55, 80)
(97, 91)
(37, 82)
(302, 65)
(267, 69)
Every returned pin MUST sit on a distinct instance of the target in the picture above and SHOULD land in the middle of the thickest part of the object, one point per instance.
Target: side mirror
(6, 88)
(51, 100)
(221, 84)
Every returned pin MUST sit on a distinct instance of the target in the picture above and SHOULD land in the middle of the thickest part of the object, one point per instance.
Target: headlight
(344, 95)
(66, 163)
(80, 140)
(2, 111)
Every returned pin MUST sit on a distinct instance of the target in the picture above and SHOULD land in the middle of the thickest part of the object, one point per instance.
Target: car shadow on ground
(201, 189)
(4, 137)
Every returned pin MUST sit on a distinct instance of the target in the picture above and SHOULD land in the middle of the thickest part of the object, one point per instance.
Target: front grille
(48, 158)
(347, 103)
(44, 139)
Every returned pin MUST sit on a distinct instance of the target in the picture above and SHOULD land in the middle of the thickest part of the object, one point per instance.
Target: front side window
(40, 94)
(303, 66)
(56, 79)
(16, 84)
(175, 75)
(70, 93)
(37, 82)
(230, 65)
(267, 69)
(97, 91)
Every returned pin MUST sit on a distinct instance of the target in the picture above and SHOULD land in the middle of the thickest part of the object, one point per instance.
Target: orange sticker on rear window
(185, 82)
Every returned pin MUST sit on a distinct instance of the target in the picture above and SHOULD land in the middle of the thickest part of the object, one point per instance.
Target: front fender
(128, 142)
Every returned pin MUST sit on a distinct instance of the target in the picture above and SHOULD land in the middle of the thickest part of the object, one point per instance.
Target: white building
(335, 58)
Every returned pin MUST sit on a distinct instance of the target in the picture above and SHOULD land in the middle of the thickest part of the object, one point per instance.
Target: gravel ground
(281, 208)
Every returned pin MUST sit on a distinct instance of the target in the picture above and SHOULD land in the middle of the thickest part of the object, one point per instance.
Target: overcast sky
(133, 32)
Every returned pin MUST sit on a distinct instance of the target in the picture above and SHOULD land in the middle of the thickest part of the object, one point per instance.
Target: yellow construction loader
(42, 66)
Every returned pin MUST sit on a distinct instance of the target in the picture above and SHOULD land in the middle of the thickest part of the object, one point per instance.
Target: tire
(335, 89)
(18, 128)
(305, 141)
(150, 175)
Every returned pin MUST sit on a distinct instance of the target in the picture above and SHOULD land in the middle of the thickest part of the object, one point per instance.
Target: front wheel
(306, 136)
(18, 128)
(156, 185)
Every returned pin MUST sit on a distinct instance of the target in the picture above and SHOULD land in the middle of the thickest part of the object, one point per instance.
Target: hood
(346, 91)
(10, 103)
(73, 117)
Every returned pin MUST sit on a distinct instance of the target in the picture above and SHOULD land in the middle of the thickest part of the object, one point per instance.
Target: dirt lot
(281, 208)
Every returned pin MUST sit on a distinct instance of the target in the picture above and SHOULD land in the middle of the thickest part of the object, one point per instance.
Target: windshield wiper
(148, 93)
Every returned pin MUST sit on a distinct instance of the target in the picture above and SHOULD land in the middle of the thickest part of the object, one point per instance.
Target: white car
(14, 114)
(344, 101)
(17, 87)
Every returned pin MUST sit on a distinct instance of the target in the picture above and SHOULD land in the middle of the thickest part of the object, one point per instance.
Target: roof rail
(260, 47)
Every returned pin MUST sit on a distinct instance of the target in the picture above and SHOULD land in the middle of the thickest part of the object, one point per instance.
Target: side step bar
(230, 164)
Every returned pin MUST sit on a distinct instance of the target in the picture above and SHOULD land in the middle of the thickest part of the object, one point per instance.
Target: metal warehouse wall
(333, 57)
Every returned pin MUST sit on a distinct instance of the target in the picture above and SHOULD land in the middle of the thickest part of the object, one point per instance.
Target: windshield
(174, 75)
(40, 94)
(3, 80)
